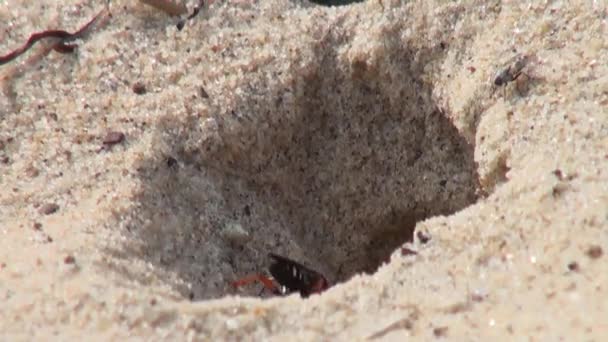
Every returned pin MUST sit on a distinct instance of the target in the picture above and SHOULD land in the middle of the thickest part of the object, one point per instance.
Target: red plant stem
(60, 46)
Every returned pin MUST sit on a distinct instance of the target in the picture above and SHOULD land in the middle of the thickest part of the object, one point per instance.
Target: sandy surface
(324, 134)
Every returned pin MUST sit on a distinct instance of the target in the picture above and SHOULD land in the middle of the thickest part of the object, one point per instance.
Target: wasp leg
(319, 285)
(523, 85)
(267, 282)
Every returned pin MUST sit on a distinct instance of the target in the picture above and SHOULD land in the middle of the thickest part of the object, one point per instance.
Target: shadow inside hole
(333, 172)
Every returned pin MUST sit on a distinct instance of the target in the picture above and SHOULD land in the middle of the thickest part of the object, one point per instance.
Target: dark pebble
(69, 259)
(171, 162)
(48, 208)
(573, 266)
(139, 88)
(422, 237)
(113, 138)
(440, 332)
(32, 172)
(595, 252)
(203, 93)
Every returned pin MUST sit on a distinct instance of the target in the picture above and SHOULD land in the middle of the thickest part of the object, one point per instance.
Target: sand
(149, 169)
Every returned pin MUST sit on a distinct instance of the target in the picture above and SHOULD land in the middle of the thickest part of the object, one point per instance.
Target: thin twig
(60, 35)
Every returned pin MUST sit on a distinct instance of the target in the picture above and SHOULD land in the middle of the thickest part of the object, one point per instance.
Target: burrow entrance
(332, 165)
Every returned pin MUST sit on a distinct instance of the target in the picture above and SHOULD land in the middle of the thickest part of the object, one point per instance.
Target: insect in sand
(511, 72)
(289, 276)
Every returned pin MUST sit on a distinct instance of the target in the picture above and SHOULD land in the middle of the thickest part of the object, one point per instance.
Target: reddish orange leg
(320, 285)
(267, 282)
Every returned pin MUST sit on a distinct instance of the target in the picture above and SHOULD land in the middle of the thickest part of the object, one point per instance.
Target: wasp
(511, 72)
(288, 276)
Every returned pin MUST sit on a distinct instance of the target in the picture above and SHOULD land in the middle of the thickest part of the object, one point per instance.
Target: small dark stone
(171, 162)
(139, 88)
(559, 189)
(37, 225)
(203, 93)
(48, 208)
(422, 237)
(440, 331)
(476, 297)
(113, 138)
(247, 210)
(4, 160)
(32, 172)
(558, 173)
(69, 259)
(595, 252)
(573, 266)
